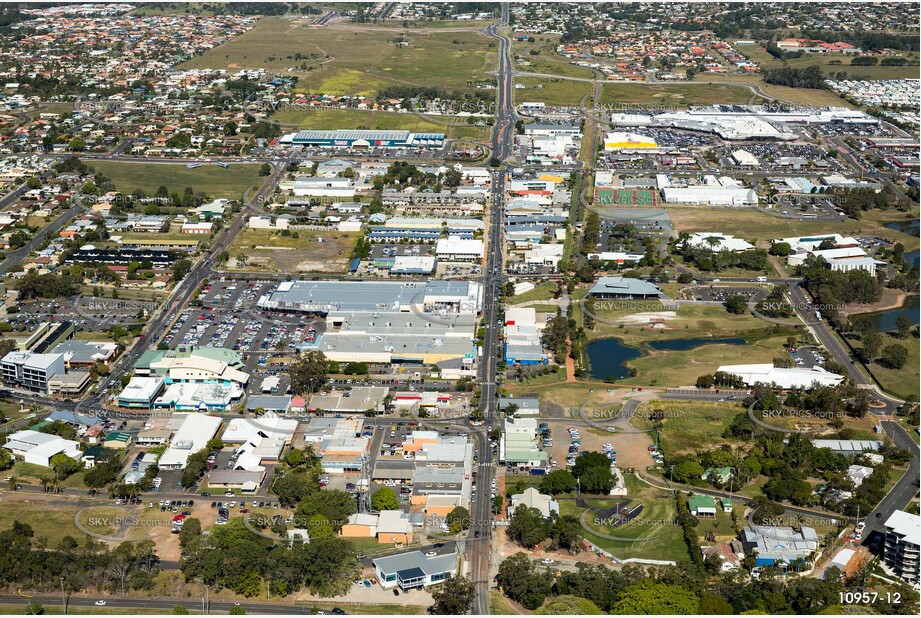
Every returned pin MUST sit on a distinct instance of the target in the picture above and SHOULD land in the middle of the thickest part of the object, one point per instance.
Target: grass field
(52, 523)
(546, 59)
(208, 179)
(754, 224)
(345, 61)
(541, 291)
(689, 426)
(677, 95)
(831, 63)
(802, 96)
(902, 382)
(654, 533)
(552, 91)
(311, 251)
(362, 119)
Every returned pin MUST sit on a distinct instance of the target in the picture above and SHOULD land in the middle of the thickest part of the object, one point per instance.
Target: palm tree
(45, 482)
(13, 482)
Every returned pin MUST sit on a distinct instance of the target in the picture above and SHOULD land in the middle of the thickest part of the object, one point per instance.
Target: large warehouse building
(363, 139)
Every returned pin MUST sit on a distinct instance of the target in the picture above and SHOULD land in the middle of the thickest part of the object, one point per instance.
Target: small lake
(680, 345)
(909, 226)
(607, 358)
(885, 320)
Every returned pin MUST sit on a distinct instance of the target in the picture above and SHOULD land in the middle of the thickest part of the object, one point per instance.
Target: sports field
(211, 180)
(357, 62)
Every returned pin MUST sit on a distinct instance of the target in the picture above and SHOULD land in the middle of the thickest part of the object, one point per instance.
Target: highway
(195, 606)
(480, 549)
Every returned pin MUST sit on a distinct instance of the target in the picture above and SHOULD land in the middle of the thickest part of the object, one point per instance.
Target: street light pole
(63, 598)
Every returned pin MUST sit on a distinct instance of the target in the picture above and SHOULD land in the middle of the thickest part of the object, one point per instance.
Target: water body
(912, 257)
(885, 320)
(608, 358)
(680, 345)
(909, 226)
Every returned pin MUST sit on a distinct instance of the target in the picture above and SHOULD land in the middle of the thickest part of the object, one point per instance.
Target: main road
(481, 529)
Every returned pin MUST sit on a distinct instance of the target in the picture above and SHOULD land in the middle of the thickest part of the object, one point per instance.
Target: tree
(894, 356)
(336, 505)
(713, 605)
(265, 169)
(308, 373)
(649, 597)
(64, 466)
(872, 341)
(736, 304)
(180, 610)
(453, 597)
(181, 268)
(329, 566)
(237, 611)
(521, 582)
(385, 499)
(558, 482)
(319, 527)
(569, 605)
(528, 527)
(458, 519)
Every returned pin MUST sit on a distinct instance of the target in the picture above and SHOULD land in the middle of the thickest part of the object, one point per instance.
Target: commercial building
(902, 549)
(718, 242)
(193, 396)
(246, 481)
(85, 353)
(204, 365)
(31, 371)
(38, 448)
(767, 373)
(387, 526)
(68, 384)
(849, 447)
(519, 444)
(618, 257)
(713, 191)
(363, 139)
(455, 248)
(414, 570)
(339, 455)
(140, 392)
(192, 433)
(624, 288)
(619, 140)
(356, 401)
(323, 187)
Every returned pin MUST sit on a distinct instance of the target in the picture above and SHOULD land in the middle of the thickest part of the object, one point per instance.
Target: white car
(100, 602)
(431, 554)
(547, 561)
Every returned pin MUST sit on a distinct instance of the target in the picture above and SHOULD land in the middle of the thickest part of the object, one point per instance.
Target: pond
(884, 321)
(680, 345)
(608, 357)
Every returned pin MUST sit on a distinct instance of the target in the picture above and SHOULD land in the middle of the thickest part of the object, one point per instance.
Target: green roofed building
(702, 506)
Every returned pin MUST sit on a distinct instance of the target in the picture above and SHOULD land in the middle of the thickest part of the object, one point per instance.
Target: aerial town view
(460, 308)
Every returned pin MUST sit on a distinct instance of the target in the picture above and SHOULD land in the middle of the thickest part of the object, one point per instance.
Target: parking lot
(807, 357)
(718, 293)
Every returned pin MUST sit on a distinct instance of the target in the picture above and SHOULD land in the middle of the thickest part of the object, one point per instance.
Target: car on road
(431, 554)
(100, 602)
(548, 561)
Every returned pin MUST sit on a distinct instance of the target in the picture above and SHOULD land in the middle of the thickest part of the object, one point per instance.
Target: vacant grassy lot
(552, 91)
(362, 119)
(754, 224)
(344, 61)
(831, 63)
(52, 523)
(310, 251)
(677, 95)
(541, 291)
(211, 180)
(689, 426)
(802, 96)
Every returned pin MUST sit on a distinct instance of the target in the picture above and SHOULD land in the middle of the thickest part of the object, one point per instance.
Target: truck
(192, 166)
(762, 279)
(226, 166)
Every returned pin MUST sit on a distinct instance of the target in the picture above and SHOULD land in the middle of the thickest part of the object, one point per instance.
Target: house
(245, 480)
(414, 570)
(858, 474)
(728, 557)
(702, 506)
(531, 498)
(717, 475)
(38, 448)
(779, 545)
